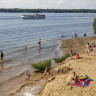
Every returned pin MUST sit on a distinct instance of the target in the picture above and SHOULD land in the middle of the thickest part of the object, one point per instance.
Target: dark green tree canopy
(94, 25)
(17, 10)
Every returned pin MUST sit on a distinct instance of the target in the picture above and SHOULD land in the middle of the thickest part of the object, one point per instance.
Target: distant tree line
(17, 10)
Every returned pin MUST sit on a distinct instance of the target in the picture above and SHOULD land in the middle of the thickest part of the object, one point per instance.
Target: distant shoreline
(17, 10)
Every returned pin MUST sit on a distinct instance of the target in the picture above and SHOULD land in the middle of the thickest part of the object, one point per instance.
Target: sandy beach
(86, 65)
(17, 86)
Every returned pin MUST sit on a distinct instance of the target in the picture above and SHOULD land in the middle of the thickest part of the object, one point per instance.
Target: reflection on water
(1, 65)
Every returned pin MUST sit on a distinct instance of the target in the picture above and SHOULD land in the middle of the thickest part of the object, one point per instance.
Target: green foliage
(94, 25)
(62, 58)
(40, 66)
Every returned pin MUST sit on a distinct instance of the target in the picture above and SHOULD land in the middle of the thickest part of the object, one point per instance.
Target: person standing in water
(25, 48)
(75, 35)
(39, 41)
(84, 34)
(1, 56)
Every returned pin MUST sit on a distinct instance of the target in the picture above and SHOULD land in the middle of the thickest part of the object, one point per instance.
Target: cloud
(60, 2)
(56, 4)
(87, 4)
(16, 3)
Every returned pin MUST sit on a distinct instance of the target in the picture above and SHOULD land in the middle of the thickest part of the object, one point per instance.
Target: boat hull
(33, 16)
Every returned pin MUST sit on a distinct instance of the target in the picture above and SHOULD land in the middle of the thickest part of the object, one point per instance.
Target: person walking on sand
(75, 35)
(84, 34)
(46, 72)
(71, 53)
(1, 56)
(88, 48)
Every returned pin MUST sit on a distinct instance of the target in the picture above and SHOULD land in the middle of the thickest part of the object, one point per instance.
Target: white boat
(35, 16)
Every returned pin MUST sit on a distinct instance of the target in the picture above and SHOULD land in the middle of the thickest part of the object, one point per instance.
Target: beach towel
(81, 83)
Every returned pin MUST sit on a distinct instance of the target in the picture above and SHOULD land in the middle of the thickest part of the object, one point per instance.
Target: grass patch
(40, 66)
(62, 58)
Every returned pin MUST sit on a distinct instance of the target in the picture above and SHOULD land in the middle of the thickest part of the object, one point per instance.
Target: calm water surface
(15, 33)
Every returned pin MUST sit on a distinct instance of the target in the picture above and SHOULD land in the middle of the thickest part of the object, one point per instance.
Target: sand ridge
(86, 65)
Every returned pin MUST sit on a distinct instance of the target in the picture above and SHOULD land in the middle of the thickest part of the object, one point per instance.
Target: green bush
(40, 66)
(94, 25)
(62, 58)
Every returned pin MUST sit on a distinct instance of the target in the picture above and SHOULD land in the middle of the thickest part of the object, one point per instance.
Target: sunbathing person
(73, 78)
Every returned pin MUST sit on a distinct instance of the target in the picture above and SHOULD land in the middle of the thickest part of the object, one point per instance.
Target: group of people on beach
(89, 47)
(46, 74)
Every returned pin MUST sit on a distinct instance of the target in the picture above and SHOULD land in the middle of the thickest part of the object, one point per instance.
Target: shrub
(94, 25)
(62, 58)
(40, 66)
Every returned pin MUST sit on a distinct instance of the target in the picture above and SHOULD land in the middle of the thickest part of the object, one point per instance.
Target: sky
(55, 4)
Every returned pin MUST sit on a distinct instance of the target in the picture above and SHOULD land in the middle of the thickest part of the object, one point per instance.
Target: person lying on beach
(46, 72)
(73, 78)
(27, 76)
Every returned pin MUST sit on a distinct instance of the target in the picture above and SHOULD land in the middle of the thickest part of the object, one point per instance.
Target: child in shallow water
(27, 76)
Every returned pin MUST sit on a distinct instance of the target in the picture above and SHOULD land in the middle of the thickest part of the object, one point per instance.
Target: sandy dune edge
(85, 65)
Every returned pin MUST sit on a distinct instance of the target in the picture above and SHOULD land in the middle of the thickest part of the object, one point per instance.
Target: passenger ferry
(35, 16)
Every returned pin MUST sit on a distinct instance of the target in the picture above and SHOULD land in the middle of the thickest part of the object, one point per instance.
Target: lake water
(15, 33)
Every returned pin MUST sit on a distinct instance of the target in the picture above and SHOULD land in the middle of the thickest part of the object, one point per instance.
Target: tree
(94, 25)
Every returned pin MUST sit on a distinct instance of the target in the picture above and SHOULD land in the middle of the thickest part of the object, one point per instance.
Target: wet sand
(85, 65)
(12, 79)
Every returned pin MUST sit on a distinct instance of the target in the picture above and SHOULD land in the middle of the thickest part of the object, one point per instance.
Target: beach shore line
(15, 83)
(86, 65)
(76, 44)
